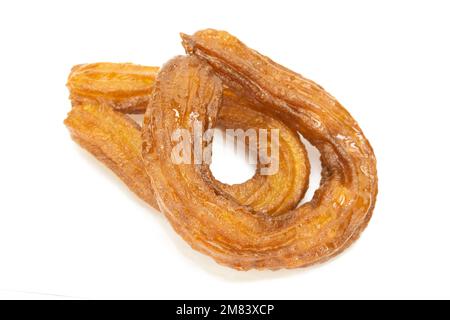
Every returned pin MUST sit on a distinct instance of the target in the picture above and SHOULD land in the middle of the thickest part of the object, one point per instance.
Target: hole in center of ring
(229, 164)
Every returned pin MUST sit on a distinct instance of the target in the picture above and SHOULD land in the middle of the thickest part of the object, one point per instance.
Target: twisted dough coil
(255, 224)
(96, 123)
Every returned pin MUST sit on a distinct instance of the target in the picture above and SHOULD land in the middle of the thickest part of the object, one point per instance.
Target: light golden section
(125, 87)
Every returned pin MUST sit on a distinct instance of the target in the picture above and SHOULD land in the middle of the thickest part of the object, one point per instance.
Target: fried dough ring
(115, 139)
(206, 216)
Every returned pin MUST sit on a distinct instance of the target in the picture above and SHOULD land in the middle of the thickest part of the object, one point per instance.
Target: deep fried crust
(214, 223)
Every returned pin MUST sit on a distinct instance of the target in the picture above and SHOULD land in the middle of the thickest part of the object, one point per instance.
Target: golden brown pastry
(206, 216)
(115, 139)
(223, 83)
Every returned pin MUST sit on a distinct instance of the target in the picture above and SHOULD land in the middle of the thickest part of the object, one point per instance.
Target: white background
(70, 228)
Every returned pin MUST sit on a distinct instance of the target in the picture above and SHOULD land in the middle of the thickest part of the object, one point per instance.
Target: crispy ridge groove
(124, 86)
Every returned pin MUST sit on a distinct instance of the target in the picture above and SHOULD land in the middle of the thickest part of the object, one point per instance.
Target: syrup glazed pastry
(115, 139)
(237, 225)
